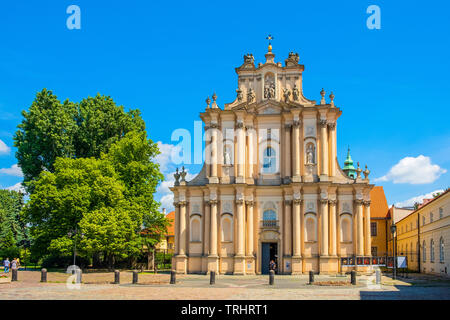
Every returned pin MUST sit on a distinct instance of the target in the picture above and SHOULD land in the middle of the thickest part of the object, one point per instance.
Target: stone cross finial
(322, 100)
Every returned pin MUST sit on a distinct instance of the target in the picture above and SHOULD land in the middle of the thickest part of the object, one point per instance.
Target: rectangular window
(373, 229)
(441, 213)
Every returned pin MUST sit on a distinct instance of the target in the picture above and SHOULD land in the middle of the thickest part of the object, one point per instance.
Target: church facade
(271, 187)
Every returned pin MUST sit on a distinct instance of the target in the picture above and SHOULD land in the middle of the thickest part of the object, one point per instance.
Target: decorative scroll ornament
(366, 203)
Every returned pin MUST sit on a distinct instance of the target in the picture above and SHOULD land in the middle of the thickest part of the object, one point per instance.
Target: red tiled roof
(378, 203)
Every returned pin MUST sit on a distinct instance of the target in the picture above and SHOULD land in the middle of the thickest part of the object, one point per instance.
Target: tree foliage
(12, 225)
(51, 129)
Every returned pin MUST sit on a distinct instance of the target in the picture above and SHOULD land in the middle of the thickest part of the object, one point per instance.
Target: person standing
(6, 264)
(14, 264)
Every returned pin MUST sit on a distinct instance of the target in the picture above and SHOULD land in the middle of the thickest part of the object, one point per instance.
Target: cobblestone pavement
(192, 287)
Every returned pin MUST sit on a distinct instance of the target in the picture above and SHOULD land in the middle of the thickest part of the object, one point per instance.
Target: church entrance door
(269, 252)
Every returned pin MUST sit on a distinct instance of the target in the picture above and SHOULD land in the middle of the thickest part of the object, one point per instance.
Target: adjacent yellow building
(424, 236)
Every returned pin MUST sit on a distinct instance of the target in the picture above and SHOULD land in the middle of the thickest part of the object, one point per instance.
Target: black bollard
(135, 277)
(14, 275)
(311, 277)
(271, 277)
(212, 277)
(378, 276)
(173, 278)
(116, 276)
(353, 277)
(44, 275)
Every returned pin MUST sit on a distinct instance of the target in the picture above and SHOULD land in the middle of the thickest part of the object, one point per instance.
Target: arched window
(431, 217)
(227, 228)
(424, 258)
(196, 234)
(432, 250)
(269, 161)
(346, 228)
(311, 227)
(269, 218)
(441, 250)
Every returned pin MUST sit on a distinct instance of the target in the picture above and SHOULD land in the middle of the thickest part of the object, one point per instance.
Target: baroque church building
(271, 187)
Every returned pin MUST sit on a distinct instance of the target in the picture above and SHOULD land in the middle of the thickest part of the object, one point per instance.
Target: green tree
(51, 129)
(12, 226)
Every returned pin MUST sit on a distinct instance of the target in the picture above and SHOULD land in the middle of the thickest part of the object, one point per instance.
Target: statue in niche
(310, 154)
(286, 94)
(227, 157)
(250, 95)
(269, 87)
(295, 93)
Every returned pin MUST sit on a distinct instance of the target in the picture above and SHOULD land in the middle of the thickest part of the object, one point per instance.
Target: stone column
(208, 150)
(323, 148)
(249, 228)
(332, 127)
(297, 228)
(324, 240)
(287, 228)
(214, 151)
(240, 227)
(183, 233)
(240, 152)
(251, 161)
(296, 145)
(333, 231)
(287, 156)
(367, 236)
(359, 228)
(213, 229)
(177, 228)
(206, 224)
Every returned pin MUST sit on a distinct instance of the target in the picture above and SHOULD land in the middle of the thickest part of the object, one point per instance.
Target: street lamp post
(394, 250)
(70, 234)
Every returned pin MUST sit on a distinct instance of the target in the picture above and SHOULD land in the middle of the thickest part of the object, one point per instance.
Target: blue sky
(166, 57)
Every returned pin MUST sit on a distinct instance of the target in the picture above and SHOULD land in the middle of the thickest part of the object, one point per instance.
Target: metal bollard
(135, 276)
(173, 276)
(14, 275)
(271, 277)
(378, 276)
(311, 277)
(116, 276)
(212, 277)
(44, 275)
(353, 277)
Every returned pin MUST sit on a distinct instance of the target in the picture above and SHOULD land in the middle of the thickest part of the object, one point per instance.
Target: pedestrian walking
(6, 264)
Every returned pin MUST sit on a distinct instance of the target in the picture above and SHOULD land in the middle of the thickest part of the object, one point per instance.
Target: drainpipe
(418, 240)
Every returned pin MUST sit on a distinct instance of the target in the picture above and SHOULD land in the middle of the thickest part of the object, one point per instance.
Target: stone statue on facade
(250, 95)
(295, 93)
(286, 94)
(248, 58)
(227, 157)
(176, 175)
(310, 154)
(239, 95)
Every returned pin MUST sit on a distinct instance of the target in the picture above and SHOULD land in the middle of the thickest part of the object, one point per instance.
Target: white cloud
(412, 170)
(17, 187)
(4, 149)
(13, 171)
(167, 153)
(410, 202)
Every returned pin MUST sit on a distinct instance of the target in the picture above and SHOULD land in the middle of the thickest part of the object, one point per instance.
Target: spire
(269, 55)
(349, 169)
